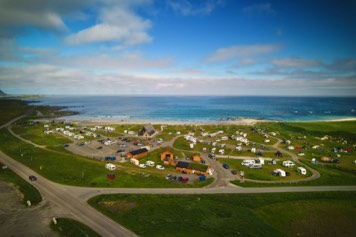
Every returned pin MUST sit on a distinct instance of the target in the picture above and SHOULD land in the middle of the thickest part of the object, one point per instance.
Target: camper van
(302, 170)
(134, 161)
(248, 162)
(288, 163)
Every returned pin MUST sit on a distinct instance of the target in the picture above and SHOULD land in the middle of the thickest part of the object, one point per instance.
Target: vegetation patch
(270, 214)
(28, 191)
(69, 227)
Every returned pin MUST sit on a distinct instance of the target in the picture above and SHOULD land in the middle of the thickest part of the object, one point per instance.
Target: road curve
(74, 207)
(72, 200)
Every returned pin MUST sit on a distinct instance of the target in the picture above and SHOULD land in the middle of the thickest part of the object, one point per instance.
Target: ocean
(204, 108)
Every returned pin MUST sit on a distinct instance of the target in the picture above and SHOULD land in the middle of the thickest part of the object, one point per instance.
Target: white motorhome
(248, 162)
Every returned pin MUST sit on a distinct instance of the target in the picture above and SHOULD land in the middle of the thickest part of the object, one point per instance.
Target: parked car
(168, 176)
(100, 147)
(226, 166)
(160, 167)
(185, 180)
(32, 178)
(233, 172)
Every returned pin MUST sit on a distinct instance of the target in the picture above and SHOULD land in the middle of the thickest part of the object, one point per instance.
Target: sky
(178, 47)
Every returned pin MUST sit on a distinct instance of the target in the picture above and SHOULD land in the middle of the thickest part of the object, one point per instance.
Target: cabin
(137, 153)
(147, 131)
(167, 157)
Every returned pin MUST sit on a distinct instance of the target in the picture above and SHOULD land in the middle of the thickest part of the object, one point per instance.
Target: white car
(142, 166)
(160, 167)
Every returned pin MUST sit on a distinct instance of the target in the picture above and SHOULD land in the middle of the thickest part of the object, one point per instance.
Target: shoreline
(241, 121)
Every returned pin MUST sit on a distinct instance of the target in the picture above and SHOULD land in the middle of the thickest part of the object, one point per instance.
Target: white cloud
(262, 8)
(117, 23)
(241, 51)
(49, 79)
(188, 8)
(42, 14)
(132, 60)
(295, 62)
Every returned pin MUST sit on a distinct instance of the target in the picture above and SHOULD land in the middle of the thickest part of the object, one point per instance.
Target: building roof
(182, 164)
(139, 151)
(147, 128)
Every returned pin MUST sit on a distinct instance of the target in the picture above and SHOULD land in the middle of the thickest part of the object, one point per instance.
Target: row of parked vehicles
(179, 179)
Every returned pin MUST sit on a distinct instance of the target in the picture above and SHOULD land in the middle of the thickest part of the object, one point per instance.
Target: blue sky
(178, 47)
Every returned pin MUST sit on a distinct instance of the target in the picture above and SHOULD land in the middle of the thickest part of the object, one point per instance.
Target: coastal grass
(270, 214)
(75, 170)
(329, 175)
(69, 227)
(29, 192)
(36, 135)
(265, 173)
(11, 108)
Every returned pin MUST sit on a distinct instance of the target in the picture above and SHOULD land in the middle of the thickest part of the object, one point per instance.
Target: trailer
(301, 170)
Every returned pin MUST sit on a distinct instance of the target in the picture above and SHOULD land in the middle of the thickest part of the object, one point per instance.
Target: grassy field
(265, 173)
(79, 171)
(28, 191)
(278, 214)
(69, 227)
(10, 109)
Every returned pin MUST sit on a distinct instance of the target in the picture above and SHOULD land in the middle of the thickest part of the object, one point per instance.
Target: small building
(137, 153)
(194, 168)
(147, 131)
(196, 158)
(167, 157)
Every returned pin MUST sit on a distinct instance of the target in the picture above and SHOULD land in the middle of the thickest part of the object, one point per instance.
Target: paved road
(72, 200)
(60, 195)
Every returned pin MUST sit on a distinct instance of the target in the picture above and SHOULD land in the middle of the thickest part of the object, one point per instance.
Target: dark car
(287, 173)
(180, 179)
(185, 180)
(32, 178)
(65, 145)
(233, 172)
(226, 166)
(100, 147)
(336, 161)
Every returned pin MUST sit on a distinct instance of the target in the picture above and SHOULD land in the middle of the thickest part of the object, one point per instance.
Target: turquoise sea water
(205, 108)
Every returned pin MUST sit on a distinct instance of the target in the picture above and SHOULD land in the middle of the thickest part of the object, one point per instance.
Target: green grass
(265, 173)
(36, 135)
(69, 227)
(75, 170)
(28, 191)
(10, 109)
(271, 214)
